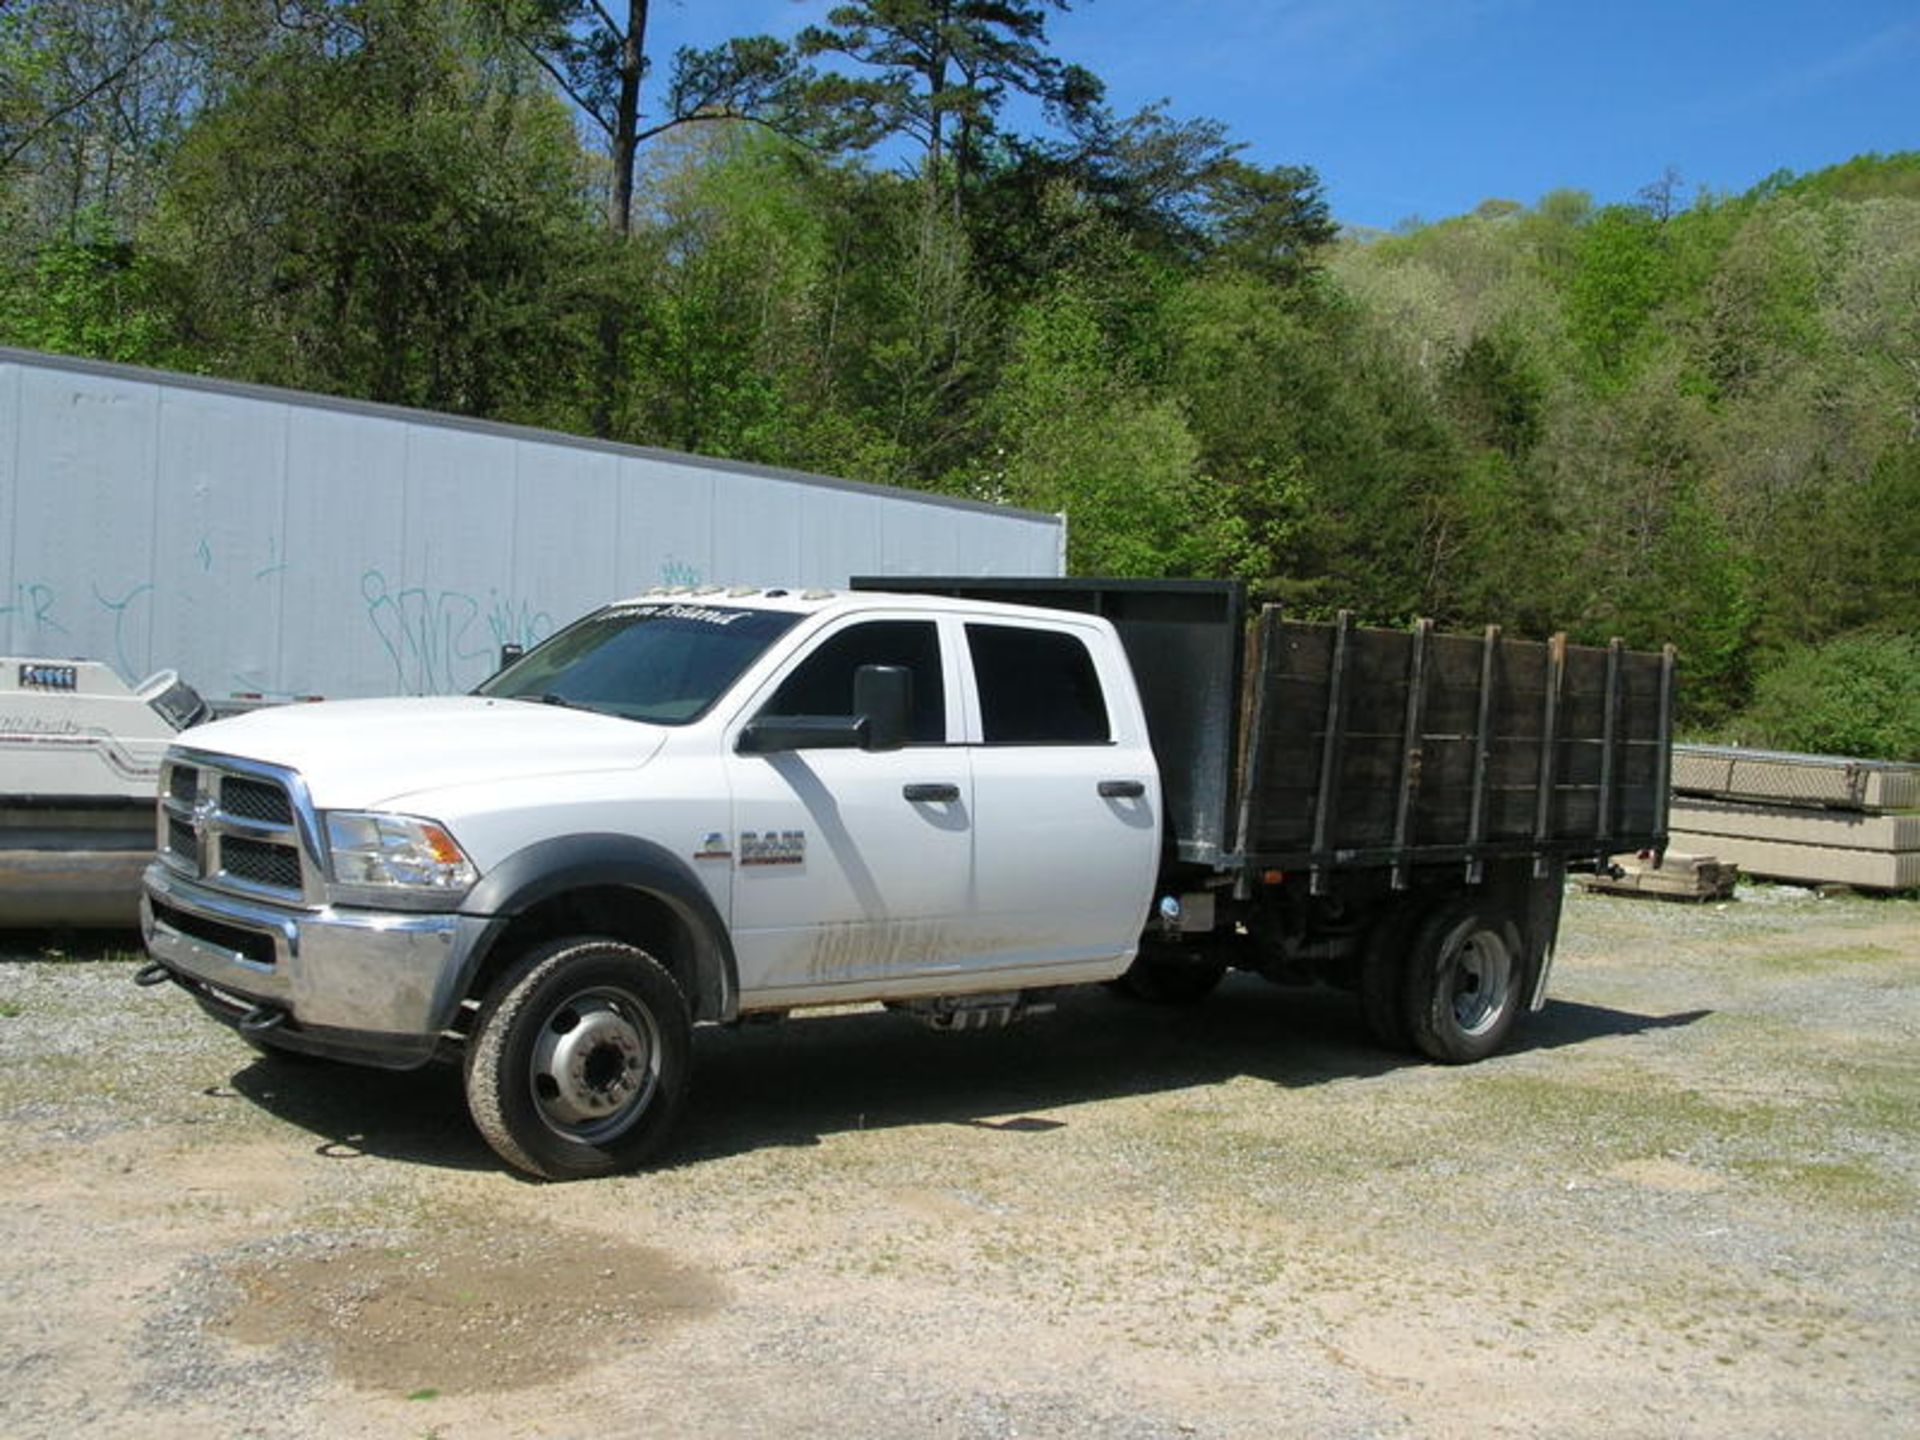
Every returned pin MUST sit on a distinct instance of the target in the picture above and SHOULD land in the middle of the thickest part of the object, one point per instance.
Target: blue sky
(1427, 107)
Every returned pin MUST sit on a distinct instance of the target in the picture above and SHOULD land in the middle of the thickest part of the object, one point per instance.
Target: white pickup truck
(714, 805)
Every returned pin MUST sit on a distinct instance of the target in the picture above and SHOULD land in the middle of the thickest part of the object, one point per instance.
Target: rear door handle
(1122, 789)
(931, 794)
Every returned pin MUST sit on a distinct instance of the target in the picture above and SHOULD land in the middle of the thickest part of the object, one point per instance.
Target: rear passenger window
(823, 685)
(1037, 687)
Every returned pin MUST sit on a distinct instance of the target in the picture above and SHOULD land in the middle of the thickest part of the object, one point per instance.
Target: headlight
(381, 859)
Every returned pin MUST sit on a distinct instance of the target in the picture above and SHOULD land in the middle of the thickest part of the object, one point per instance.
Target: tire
(1383, 976)
(1160, 980)
(1466, 982)
(580, 1059)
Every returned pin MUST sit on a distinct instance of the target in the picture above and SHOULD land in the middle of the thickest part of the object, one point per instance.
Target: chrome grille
(182, 842)
(239, 825)
(261, 863)
(255, 800)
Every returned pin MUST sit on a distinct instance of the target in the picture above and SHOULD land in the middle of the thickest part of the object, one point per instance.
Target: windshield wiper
(553, 697)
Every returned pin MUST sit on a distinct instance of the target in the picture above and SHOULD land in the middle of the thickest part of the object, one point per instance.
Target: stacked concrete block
(1812, 819)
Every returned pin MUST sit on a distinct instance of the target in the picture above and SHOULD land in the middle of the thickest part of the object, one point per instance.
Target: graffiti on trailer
(444, 640)
(31, 603)
(31, 606)
(118, 608)
(437, 640)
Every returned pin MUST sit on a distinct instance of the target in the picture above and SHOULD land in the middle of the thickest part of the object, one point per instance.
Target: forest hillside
(1694, 418)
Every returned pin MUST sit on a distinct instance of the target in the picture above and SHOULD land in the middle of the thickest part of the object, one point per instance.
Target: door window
(823, 684)
(1037, 687)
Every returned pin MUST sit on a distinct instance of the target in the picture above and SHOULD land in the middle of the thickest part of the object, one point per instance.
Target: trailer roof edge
(279, 395)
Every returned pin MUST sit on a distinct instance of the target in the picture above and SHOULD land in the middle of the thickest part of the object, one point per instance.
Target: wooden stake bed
(1371, 747)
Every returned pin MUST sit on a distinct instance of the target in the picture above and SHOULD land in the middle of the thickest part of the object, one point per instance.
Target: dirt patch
(467, 1308)
(1660, 1174)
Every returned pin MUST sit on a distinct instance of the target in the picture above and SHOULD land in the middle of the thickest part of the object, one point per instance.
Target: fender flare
(549, 868)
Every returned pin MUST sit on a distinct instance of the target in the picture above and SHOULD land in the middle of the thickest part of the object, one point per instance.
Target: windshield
(663, 662)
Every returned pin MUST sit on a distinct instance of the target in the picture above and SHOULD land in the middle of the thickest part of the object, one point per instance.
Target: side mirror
(883, 699)
(775, 733)
(509, 653)
(882, 702)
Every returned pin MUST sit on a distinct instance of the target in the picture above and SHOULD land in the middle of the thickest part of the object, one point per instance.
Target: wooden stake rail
(1414, 747)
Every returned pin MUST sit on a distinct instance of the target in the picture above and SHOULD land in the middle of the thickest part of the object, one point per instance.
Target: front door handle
(1122, 789)
(931, 794)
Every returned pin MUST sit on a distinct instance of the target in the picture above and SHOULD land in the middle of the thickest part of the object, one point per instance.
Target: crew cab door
(1066, 793)
(851, 865)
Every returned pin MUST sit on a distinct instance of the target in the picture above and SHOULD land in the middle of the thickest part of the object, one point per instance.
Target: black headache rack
(1369, 749)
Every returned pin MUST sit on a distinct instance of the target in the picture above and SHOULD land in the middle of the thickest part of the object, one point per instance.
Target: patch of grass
(75, 947)
(1849, 1184)
(1638, 1116)
(1819, 962)
(11, 1009)
(1887, 1101)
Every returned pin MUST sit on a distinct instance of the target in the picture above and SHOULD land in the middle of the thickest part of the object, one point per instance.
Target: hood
(364, 753)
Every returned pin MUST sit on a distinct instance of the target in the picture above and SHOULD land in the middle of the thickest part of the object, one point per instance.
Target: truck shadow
(418, 1116)
(791, 1085)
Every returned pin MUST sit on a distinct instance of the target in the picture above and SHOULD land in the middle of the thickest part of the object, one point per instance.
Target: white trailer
(275, 543)
(270, 545)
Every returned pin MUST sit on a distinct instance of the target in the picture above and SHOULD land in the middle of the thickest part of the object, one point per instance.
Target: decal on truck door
(774, 847)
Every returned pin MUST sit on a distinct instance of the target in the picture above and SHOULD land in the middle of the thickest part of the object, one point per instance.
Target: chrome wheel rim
(595, 1065)
(1482, 976)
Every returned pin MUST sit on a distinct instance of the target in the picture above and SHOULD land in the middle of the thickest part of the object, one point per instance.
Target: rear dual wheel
(1383, 974)
(580, 1059)
(1447, 980)
(1466, 982)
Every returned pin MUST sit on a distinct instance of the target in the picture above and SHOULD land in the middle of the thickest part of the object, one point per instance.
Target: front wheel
(579, 1059)
(1465, 982)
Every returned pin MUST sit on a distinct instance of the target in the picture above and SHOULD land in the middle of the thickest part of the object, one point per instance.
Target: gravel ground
(1685, 1203)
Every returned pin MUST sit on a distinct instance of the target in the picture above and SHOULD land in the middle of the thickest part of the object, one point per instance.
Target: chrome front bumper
(378, 987)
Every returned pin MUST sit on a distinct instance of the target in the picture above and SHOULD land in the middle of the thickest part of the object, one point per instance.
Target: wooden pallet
(1675, 877)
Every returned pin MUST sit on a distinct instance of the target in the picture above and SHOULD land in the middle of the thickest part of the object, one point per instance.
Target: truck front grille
(182, 843)
(255, 800)
(261, 863)
(239, 825)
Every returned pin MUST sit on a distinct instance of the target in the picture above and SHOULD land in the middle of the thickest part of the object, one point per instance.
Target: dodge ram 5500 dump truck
(711, 805)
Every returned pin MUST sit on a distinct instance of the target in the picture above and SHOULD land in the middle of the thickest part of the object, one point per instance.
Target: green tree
(1083, 439)
(1857, 695)
(1623, 276)
(91, 94)
(1272, 221)
(373, 213)
(596, 53)
(91, 295)
(945, 67)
